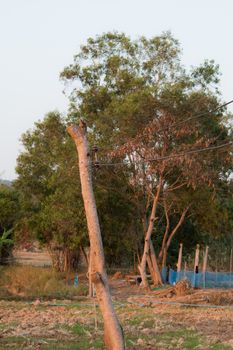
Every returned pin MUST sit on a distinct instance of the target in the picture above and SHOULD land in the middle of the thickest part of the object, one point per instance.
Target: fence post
(185, 268)
(180, 258)
(231, 267)
(205, 265)
(196, 262)
(179, 262)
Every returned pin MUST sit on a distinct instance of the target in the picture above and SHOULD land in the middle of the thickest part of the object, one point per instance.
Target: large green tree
(136, 98)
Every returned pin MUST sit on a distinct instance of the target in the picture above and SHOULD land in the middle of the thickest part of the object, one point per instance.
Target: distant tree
(9, 214)
(5, 242)
(50, 191)
(9, 207)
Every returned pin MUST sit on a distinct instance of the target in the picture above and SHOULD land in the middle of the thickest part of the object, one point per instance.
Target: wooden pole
(231, 267)
(231, 261)
(179, 263)
(205, 265)
(196, 262)
(185, 268)
(113, 334)
(205, 259)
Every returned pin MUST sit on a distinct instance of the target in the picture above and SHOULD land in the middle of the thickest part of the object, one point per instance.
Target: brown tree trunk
(66, 267)
(142, 265)
(113, 334)
(180, 222)
(164, 257)
(166, 245)
(55, 257)
(166, 210)
(156, 276)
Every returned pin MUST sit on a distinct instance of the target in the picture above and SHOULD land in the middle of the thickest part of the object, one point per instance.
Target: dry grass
(30, 282)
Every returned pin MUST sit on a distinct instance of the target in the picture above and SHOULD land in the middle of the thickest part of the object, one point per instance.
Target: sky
(38, 38)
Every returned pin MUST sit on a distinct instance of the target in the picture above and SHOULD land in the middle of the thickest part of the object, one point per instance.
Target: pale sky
(39, 37)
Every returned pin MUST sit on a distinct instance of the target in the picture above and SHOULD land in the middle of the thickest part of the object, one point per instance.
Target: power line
(193, 151)
(181, 154)
(195, 116)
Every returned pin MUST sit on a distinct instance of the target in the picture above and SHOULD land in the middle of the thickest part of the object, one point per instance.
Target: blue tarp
(199, 280)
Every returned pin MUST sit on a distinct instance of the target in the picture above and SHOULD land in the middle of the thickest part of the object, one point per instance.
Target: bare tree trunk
(142, 265)
(164, 257)
(113, 334)
(54, 253)
(172, 234)
(180, 222)
(67, 256)
(166, 210)
(150, 267)
(157, 279)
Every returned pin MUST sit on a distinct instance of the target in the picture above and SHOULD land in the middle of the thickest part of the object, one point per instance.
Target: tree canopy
(145, 111)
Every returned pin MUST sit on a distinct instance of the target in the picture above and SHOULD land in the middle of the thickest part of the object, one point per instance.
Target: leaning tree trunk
(156, 276)
(146, 251)
(113, 334)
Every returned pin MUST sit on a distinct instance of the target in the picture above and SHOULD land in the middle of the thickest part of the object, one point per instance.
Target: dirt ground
(149, 321)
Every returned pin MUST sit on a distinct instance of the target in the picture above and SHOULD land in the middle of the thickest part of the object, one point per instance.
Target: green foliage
(118, 84)
(9, 207)
(123, 87)
(49, 185)
(50, 194)
(9, 215)
(117, 213)
(5, 240)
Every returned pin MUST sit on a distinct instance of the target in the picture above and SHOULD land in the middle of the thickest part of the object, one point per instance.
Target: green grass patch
(23, 343)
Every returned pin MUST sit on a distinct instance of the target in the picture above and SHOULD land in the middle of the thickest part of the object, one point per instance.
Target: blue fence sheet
(199, 280)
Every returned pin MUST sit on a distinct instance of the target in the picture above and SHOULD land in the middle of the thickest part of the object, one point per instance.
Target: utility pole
(113, 334)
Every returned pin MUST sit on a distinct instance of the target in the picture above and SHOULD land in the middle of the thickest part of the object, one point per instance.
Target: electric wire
(195, 116)
(181, 154)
